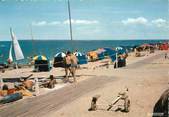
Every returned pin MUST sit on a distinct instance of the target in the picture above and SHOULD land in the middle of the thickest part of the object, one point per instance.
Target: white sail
(10, 54)
(17, 48)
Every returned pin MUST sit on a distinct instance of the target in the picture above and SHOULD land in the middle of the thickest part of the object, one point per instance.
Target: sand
(145, 83)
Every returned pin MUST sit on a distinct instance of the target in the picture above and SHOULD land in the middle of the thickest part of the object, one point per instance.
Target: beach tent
(100, 53)
(41, 63)
(82, 58)
(78, 54)
(93, 56)
(111, 53)
(59, 59)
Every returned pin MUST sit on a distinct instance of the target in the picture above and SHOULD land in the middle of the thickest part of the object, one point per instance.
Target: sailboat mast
(11, 40)
(70, 24)
(33, 49)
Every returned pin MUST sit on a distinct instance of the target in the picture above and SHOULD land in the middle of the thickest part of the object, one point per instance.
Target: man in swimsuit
(74, 64)
(70, 65)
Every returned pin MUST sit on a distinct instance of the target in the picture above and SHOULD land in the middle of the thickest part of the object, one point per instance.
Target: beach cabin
(59, 59)
(41, 63)
(82, 58)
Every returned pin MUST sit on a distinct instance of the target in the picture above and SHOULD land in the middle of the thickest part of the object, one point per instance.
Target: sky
(91, 19)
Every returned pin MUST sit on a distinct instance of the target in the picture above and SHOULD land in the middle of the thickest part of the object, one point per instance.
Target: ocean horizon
(51, 47)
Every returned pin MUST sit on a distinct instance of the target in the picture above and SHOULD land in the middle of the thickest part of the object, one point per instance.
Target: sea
(50, 47)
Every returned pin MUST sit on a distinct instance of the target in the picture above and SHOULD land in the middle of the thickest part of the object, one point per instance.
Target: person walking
(71, 62)
(74, 65)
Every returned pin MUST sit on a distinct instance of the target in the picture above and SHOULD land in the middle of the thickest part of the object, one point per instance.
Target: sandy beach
(84, 58)
(145, 83)
(146, 78)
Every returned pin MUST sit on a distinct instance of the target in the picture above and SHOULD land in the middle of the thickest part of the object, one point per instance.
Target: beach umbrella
(120, 50)
(40, 57)
(41, 63)
(82, 58)
(78, 54)
(59, 59)
(60, 54)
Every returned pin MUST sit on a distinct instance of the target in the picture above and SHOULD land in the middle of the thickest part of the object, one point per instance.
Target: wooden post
(36, 86)
(116, 60)
(1, 83)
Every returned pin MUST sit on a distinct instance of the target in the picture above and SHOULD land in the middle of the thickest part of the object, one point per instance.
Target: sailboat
(18, 56)
(17, 49)
(18, 53)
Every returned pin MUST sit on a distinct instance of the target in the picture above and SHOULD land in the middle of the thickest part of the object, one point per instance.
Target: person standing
(74, 65)
(70, 65)
(166, 56)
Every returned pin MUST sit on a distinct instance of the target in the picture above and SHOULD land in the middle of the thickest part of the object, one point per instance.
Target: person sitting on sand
(28, 84)
(70, 65)
(52, 82)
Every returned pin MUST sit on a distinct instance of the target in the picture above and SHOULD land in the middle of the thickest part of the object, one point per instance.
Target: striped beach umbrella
(60, 54)
(120, 50)
(40, 57)
(59, 59)
(78, 54)
(82, 58)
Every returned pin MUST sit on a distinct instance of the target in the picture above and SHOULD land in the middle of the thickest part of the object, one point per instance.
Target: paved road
(40, 105)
